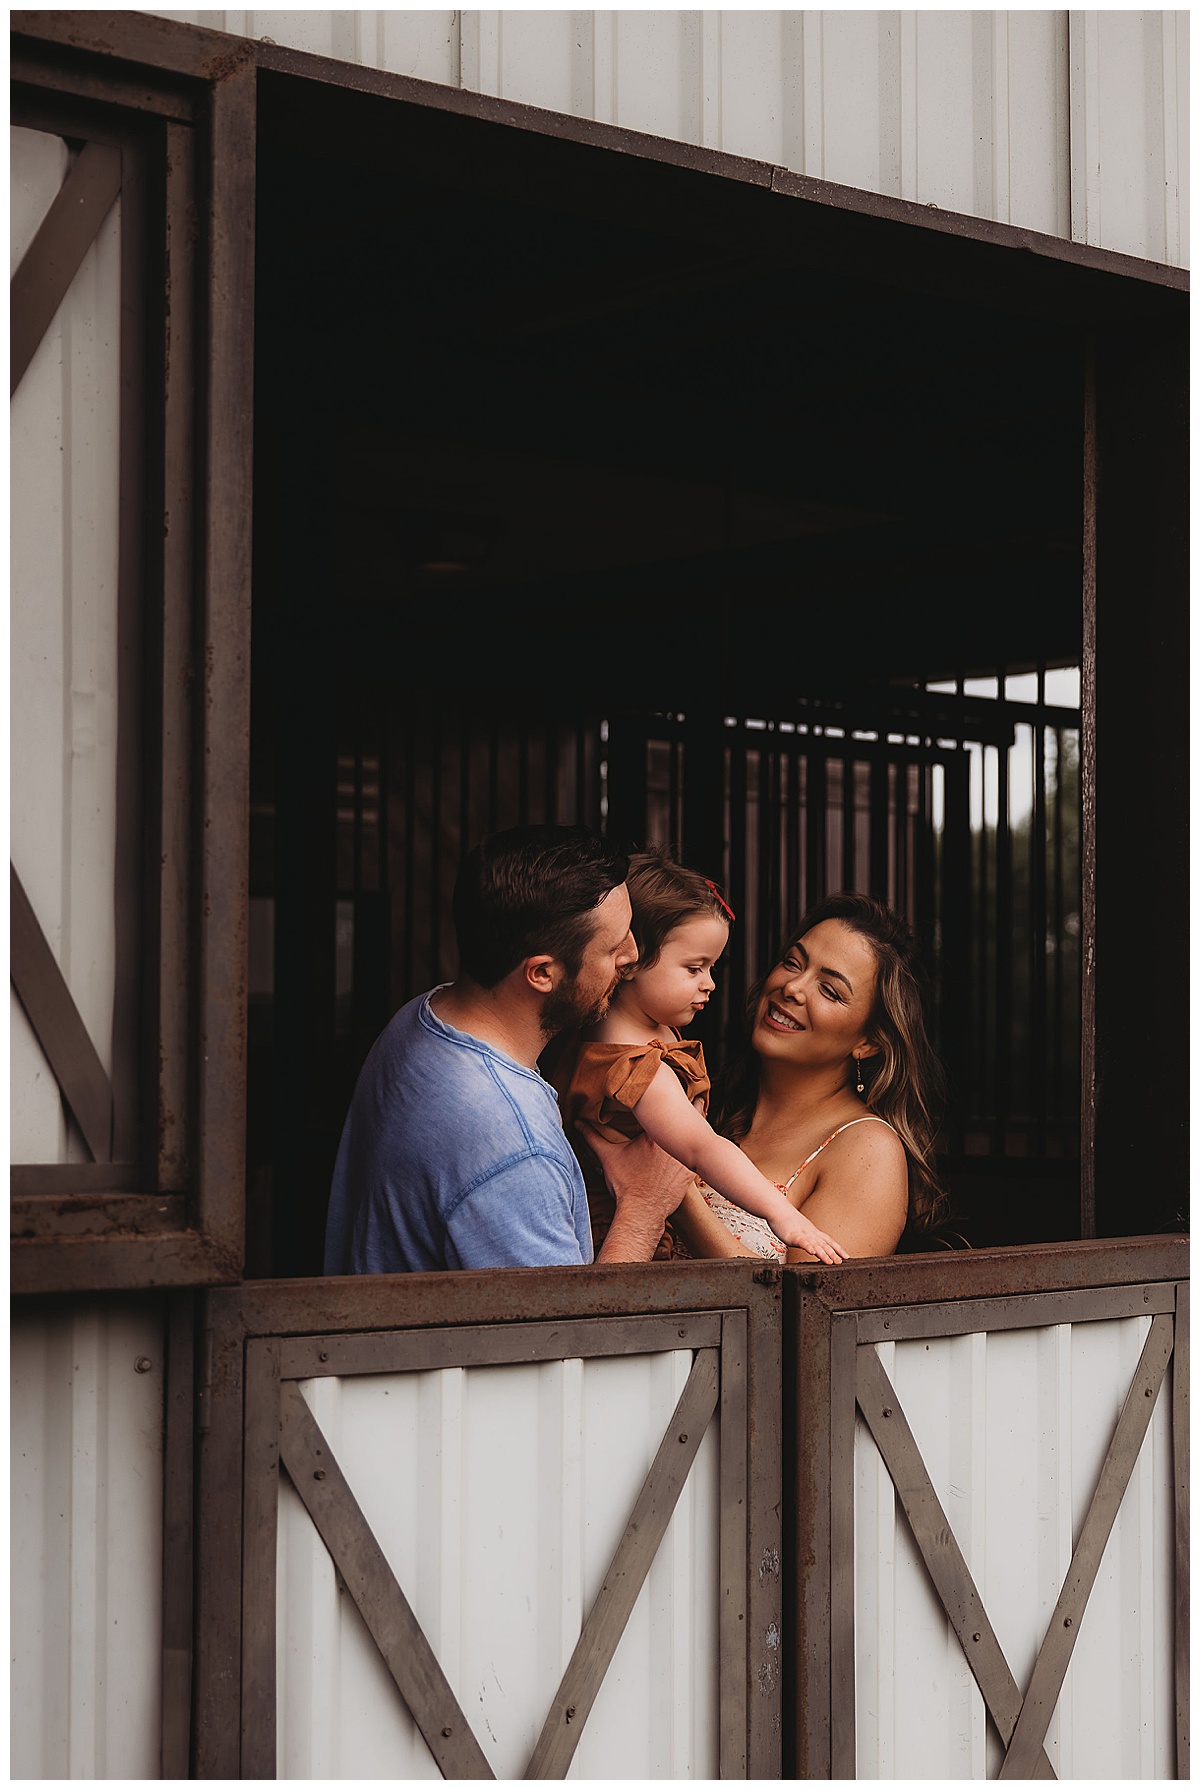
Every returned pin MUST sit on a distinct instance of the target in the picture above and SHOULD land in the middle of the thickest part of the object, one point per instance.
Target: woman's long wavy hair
(904, 1082)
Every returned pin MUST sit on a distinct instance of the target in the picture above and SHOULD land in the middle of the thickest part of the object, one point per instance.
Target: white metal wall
(85, 1556)
(1075, 124)
(1013, 1427)
(498, 1495)
(63, 617)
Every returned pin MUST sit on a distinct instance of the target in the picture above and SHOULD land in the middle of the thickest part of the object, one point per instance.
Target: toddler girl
(632, 1071)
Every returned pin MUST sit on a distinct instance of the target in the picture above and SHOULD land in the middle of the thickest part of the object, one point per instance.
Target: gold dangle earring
(858, 1065)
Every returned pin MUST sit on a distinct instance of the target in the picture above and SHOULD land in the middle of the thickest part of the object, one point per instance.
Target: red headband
(708, 884)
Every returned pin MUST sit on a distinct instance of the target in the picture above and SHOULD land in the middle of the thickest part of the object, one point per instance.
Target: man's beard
(566, 1009)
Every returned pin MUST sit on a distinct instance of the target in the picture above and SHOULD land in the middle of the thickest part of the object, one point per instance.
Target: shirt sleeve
(524, 1215)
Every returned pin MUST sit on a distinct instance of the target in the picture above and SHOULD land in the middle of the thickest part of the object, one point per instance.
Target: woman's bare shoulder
(861, 1194)
(867, 1159)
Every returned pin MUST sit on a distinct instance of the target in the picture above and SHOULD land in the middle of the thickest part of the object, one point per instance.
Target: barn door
(132, 162)
(532, 1528)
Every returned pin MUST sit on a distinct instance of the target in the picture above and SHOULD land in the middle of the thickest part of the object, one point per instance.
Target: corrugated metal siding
(1013, 1427)
(86, 1539)
(1072, 124)
(63, 615)
(499, 1495)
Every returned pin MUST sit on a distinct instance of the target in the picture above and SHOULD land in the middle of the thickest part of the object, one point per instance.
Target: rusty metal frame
(58, 1027)
(169, 1211)
(265, 1336)
(178, 1537)
(834, 1320)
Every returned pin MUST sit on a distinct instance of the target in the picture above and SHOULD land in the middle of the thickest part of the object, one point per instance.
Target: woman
(832, 1097)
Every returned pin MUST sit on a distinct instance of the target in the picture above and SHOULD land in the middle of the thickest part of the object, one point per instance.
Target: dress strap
(849, 1122)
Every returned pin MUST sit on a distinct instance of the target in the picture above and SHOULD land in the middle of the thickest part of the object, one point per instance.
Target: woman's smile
(779, 1021)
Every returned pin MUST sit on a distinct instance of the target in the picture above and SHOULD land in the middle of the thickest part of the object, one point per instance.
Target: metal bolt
(570, 1710)
(887, 1323)
(683, 1435)
(974, 1637)
(1066, 1622)
(320, 1473)
(324, 1355)
(446, 1733)
(682, 1332)
(142, 1365)
(1149, 1392)
(887, 1410)
(1146, 1297)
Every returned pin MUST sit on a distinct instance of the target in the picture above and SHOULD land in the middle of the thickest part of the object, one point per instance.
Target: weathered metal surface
(997, 1273)
(1074, 130)
(768, 1638)
(86, 1410)
(260, 1506)
(179, 1418)
(1181, 1463)
(738, 1623)
(644, 1532)
(138, 38)
(364, 1418)
(939, 1551)
(64, 576)
(59, 1030)
(966, 1315)
(53, 259)
(223, 695)
(173, 1145)
(499, 1496)
(808, 1423)
(78, 1204)
(137, 1256)
(1013, 1428)
(315, 1357)
(132, 935)
(1129, 131)
(363, 1569)
(841, 1550)
(157, 460)
(1054, 1655)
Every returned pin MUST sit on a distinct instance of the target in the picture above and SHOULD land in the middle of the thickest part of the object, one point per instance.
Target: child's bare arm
(667, 1115)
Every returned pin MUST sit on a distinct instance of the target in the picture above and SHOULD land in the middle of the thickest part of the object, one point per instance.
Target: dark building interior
(593, 488)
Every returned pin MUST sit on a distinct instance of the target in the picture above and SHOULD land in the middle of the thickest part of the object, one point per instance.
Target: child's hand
(792, 1228)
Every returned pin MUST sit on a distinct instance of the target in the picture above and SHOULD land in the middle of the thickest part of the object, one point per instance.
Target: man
(453, 1153)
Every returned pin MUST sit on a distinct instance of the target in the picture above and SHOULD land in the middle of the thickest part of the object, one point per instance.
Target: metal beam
(406, 1351)
(369, 1579)
(940, 1551)
(56, 253)
(1054, 1656)
(52, 1013)
(1181, 1442)
(626, 1575)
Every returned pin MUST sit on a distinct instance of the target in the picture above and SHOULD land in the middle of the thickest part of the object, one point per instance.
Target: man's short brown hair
(530, 891)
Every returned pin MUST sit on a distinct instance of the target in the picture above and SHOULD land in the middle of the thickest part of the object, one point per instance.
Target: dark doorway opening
(589, 487)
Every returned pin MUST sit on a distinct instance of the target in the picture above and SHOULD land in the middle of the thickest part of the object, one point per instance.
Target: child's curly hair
(663, 894)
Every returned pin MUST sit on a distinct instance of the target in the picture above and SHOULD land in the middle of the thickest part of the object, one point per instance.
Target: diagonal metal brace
(1054, 1655)
(50, 1008)
(940, 1551)
(625, 1577)
(372, 1584)
(56, 253)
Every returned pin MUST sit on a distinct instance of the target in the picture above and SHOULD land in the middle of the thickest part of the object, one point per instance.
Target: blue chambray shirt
(453, 1155)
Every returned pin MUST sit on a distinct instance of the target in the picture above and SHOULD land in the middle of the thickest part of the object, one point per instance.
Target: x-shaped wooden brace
(36, 291)
(389, 1616)
(1021, 1721)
